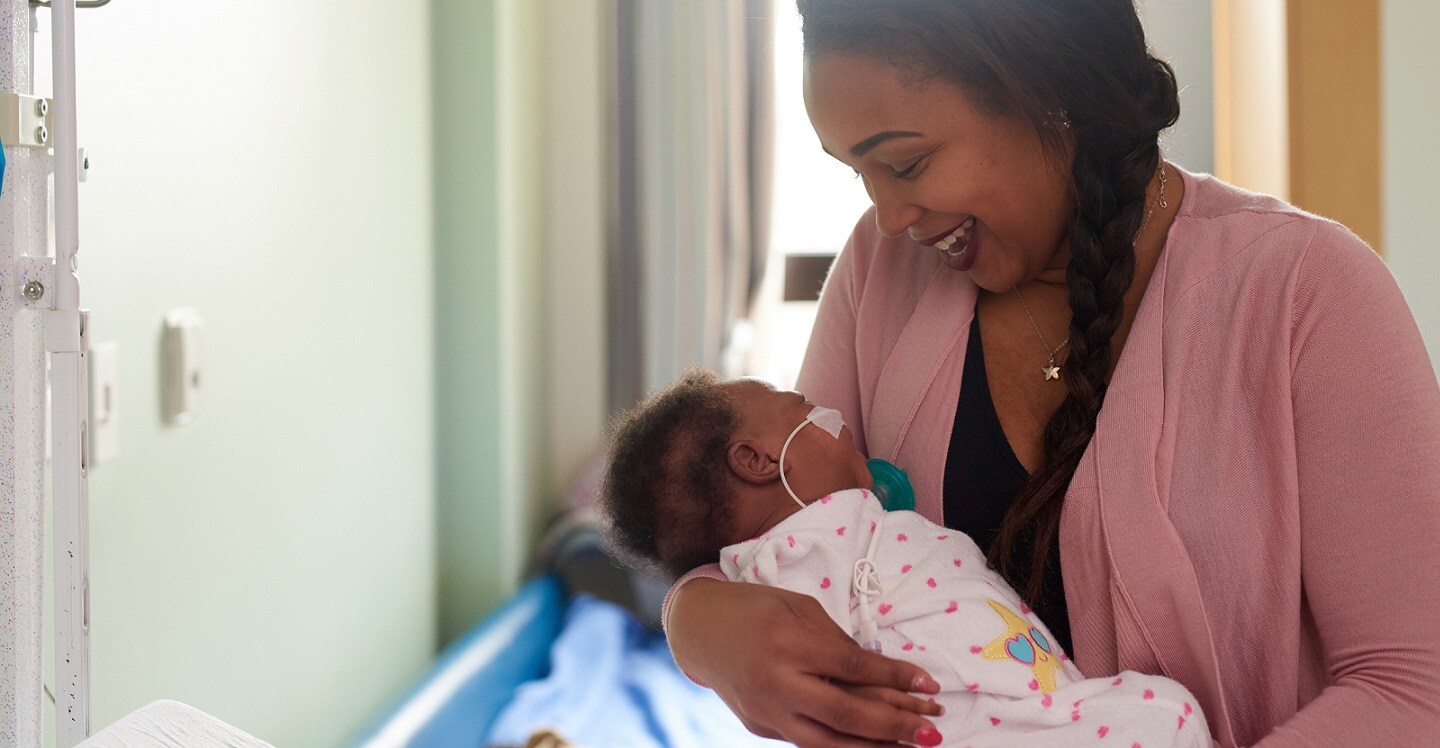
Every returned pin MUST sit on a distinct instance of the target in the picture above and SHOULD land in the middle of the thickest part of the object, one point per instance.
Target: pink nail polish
(928, 736)
(925, 684)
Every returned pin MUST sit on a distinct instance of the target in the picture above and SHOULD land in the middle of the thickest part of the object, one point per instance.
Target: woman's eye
(908, 171)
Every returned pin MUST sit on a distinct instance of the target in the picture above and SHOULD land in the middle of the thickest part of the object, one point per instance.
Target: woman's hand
(786, 669)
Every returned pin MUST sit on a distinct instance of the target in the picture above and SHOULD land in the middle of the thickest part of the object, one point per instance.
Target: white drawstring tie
(866, 584)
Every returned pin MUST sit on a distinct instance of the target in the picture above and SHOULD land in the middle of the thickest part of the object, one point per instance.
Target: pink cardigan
(1258, 514)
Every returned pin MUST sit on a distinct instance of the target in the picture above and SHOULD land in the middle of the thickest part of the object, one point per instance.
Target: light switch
(104, 402)
(184, 361)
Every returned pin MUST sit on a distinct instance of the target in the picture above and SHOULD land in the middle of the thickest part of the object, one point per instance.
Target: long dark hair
(1045, 61)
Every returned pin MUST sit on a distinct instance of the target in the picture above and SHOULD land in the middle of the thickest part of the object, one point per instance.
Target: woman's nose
(893, 214)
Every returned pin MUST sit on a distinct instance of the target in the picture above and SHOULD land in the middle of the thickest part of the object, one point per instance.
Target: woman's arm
(1367, 418)
(782, 665)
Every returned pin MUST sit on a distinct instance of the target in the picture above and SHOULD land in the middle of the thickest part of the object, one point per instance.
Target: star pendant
(1051, 372)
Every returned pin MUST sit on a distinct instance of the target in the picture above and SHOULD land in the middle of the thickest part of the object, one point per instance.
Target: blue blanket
(613, 684)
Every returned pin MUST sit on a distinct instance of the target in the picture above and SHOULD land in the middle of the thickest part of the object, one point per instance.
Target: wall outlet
(184, 361)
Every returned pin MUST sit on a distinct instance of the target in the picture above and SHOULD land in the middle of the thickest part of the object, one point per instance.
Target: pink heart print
(1117, 681)
(1047, 701)
(906, 569)
(1103, 731)
(957, 563)
(840, 531)
(825, 583)
(885, 608)
(972, 687)
(901, 538)
(791, 539)
(974, 649)
(1149, 694)
(952, 607)
(995, 721)
(824, 499)
(1034, 685)
(908, 646)
(941, 537)
(931, 582)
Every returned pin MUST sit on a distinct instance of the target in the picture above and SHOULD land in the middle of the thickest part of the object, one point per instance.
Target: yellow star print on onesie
(1025, 644)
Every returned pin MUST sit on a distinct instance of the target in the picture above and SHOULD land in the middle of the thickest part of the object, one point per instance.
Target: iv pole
(65, 339)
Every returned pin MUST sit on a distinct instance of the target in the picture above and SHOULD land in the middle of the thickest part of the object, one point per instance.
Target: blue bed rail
(456, 701)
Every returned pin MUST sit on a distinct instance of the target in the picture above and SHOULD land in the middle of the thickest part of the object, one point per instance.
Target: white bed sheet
(171, 724)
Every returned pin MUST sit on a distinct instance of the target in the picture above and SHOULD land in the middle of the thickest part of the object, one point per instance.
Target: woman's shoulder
(1234, 219)
(1221, 227)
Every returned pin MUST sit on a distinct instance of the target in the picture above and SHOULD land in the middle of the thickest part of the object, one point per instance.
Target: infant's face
(817, 464)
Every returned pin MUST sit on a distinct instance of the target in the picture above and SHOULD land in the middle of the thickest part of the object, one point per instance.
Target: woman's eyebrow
(864, 146)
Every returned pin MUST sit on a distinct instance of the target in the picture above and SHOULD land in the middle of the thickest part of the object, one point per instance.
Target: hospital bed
(575, 650)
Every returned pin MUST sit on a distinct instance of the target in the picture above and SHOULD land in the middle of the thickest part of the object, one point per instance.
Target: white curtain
(692, 129)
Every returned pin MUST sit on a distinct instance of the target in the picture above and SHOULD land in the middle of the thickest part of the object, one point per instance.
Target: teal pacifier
(892, 486)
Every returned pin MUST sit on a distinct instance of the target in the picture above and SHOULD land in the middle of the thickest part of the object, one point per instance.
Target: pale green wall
(268, 163)
(471, 533)
(490, 242)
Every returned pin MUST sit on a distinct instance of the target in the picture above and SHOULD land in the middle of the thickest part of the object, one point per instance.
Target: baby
(772, 486)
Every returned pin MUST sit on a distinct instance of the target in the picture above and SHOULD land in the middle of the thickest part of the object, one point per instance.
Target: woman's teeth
(959, 236)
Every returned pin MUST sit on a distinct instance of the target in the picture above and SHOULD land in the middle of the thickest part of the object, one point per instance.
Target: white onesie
(917, 591)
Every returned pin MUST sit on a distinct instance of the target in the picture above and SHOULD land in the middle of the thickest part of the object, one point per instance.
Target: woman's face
(943, 170)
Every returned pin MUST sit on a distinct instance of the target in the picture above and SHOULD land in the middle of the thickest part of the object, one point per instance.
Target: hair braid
(1108, 215)
(1111, 173)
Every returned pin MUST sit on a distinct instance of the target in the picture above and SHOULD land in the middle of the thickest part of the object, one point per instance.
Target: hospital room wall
(268, 163)
(1410, 111)
(493, 281)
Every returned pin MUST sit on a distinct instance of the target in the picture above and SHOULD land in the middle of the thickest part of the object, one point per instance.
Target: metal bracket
(25, 120)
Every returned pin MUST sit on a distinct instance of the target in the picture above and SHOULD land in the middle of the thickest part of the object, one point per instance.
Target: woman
(1253, 511)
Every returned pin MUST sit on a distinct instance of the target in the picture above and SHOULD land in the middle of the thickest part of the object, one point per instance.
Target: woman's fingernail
(928, 736)
(925, 684)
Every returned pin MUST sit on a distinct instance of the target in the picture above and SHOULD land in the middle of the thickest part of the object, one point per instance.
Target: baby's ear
(750, 462)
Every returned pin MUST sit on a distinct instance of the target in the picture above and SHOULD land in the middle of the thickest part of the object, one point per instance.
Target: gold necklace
(1050, 370)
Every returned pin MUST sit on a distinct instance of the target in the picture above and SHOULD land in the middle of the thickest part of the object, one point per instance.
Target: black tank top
(982, 479)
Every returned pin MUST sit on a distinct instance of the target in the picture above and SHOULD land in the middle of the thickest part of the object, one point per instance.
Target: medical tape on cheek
(828, 419)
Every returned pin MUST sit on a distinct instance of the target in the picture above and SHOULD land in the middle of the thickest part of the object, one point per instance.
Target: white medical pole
(26, 271)
(65, 338)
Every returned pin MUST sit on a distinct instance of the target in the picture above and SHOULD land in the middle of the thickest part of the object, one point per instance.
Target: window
(817, 201)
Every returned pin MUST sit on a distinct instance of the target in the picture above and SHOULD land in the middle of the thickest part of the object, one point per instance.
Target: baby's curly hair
(667, 491)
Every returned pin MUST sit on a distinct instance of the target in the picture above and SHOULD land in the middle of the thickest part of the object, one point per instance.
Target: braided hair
(1081, 62)
(666, 497)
